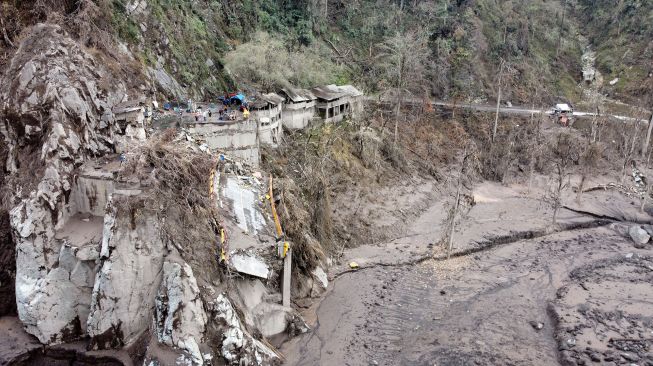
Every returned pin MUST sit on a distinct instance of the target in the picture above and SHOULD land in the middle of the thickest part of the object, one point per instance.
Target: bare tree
(588, 164)
(403, 58)
(555, 193)
(628, 143)
(560, 28)
(649, 130)
(565, 151)
(648, 137)
(534, 147)
(645, 196)
(506, 72)
(463, 200)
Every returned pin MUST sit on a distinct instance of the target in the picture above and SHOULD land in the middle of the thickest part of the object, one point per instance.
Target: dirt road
(566, 298)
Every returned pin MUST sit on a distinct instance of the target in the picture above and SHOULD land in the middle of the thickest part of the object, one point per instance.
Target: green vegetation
(466, 42)
(623, 49)
(316, 42)
(266, 62)
(125, 27)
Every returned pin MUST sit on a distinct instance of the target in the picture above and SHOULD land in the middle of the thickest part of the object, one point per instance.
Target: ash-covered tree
(564, 152)
(628, 137)
(589, 160)
(403, 59)
(505, 78)
(467, 171)
(649, 130)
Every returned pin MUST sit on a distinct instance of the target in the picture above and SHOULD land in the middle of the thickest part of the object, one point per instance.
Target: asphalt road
(512, 110)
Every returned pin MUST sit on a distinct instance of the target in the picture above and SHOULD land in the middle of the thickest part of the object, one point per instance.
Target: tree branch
(5, 36)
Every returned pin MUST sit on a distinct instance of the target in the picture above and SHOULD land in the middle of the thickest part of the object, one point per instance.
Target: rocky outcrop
(238, 346)
(95, 257)
(54, 102)
(7, 267)
(180, 316)
(125, 288)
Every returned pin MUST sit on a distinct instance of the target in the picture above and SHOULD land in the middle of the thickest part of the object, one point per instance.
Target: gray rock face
(165, 81)
(261, 310)
(639, 235)
(53, 104)
(238, 346)
(53, 292)
(648, 229)
(125, 288)
(180, 316)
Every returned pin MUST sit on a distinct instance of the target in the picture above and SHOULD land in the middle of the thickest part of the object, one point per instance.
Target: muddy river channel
(572, 298)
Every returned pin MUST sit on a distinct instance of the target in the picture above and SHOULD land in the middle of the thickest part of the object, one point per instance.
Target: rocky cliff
(120, 257)
(57, 112)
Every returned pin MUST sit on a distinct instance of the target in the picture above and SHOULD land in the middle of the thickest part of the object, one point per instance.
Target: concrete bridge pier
(287, 271)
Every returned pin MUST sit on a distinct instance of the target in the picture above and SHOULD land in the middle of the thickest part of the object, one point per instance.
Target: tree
(645, 196)
(628, 143)
(560, 28)
(555, 193)
(565, 151)
(648, 137)
(505, 75)
(534, 147)
(267, 63)
(467, 169)
(589, 160)
(403, 58)
(650, 120)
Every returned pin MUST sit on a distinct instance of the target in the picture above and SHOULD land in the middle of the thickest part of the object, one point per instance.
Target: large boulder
(125, 288)
(639, 235)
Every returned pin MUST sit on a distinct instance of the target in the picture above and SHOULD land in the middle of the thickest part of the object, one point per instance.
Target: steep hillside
(182, 44)
(178, 44)
(460, 45)
(149, 245)
(624, 48)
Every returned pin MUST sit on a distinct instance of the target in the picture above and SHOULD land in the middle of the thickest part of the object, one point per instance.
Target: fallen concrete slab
(249, 264)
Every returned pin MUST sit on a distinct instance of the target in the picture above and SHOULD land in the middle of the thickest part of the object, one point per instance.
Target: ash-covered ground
(578, 294)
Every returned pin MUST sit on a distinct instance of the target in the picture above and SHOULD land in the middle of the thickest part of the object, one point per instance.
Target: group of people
(226, 113)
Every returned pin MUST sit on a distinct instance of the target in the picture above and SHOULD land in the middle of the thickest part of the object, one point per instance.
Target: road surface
(508, 110)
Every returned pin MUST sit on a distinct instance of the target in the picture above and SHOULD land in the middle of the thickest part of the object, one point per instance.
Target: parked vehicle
(563, 114)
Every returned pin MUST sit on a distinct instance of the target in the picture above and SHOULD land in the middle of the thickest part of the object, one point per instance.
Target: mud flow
(570, 298)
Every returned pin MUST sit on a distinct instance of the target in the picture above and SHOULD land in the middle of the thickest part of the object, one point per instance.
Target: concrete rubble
(320, 282)
(244, 198)
(249, 264)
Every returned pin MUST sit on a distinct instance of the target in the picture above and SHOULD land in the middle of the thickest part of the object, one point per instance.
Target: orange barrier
(277, 223)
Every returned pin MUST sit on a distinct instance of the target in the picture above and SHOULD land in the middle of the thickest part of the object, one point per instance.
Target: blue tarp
(238, 98)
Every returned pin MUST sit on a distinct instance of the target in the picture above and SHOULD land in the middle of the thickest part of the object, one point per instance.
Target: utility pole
(648, 137)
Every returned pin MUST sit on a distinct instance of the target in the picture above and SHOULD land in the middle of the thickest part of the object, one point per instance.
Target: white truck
(563, 114)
